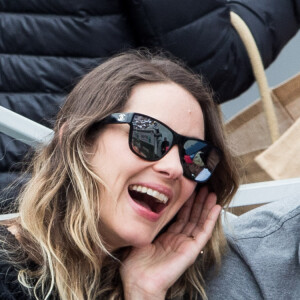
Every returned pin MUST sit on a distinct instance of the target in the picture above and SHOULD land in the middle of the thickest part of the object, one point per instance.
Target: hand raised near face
(148, 272)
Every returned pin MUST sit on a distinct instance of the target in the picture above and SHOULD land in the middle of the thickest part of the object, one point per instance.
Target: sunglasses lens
(199, 160)
(149, 138)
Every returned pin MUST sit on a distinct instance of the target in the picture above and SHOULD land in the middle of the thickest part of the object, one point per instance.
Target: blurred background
(285, 66)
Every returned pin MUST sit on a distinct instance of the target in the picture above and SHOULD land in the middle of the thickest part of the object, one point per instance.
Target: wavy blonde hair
(59, 207)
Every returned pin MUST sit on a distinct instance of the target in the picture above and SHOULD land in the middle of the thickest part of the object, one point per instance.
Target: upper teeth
(157, 195)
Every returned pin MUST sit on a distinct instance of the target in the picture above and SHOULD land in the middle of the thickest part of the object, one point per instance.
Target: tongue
(147, 201)
(144, 204)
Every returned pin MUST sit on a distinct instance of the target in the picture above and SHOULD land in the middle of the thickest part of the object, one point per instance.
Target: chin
(139, 241)
(141, 244)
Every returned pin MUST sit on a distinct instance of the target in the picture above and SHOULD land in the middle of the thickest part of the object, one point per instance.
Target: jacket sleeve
(200, 33)
(272, 23)
(45, 48)
(263, 260)
(233, 281)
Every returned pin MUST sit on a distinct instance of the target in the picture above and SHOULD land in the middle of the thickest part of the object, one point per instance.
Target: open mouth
(148, 198)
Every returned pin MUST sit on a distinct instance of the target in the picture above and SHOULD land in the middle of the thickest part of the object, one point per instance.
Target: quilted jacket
(47, 45)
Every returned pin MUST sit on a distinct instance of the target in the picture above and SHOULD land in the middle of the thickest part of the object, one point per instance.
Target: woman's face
(126, 220)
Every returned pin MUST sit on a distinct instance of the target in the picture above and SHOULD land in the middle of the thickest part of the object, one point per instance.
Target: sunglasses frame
(178, 139)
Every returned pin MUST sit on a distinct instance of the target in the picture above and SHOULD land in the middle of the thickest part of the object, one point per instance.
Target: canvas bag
(256, 135)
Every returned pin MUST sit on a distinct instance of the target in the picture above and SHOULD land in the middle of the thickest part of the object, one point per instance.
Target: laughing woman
(107, 214)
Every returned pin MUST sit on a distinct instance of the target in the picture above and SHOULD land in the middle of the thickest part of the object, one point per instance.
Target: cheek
(187, 190)
(113, 161)
(98, 159)
(189, 187)
(103, 161)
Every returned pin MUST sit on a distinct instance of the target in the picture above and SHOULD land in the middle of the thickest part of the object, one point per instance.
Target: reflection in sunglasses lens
(194, 160)
(150, 139)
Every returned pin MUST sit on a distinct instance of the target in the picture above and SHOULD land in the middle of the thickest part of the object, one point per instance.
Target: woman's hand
(148, 272)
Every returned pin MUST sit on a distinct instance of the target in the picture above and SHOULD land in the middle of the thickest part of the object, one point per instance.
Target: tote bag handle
(259, 73)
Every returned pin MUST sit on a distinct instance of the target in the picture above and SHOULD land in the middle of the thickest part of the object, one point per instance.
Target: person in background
(164, 145)
(100, 221)
(263, 258)
(46, 46)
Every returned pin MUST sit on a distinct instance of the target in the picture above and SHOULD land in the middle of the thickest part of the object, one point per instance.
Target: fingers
(198, 205)
(208, 208)
(200, 212)
(194, 212)
(182, 216)
(203, 234)
(185, 211)
(210, 202)
(197, 210)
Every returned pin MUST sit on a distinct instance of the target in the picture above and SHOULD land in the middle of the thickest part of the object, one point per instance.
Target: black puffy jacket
(47, 45)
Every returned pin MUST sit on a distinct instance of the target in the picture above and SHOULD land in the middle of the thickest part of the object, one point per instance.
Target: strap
(259, 73)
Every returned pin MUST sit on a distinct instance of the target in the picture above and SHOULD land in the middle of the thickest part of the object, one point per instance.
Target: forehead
(169, 103)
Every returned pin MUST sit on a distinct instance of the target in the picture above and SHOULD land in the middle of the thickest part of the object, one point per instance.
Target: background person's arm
(263, 260)
(235, 280)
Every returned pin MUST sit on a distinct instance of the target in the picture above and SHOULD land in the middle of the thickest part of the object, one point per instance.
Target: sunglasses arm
(118, 118)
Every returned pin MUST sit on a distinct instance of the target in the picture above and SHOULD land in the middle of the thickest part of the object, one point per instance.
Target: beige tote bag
(265, 135)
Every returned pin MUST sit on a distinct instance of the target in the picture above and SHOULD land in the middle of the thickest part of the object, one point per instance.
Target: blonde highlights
(59, 207)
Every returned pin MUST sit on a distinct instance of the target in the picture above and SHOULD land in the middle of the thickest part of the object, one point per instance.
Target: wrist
(132, 292)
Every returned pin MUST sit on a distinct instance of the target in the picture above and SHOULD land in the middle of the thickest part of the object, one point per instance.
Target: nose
(170, 166)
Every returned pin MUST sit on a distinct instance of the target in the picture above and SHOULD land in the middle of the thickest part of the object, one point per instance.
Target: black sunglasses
(151, 140)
